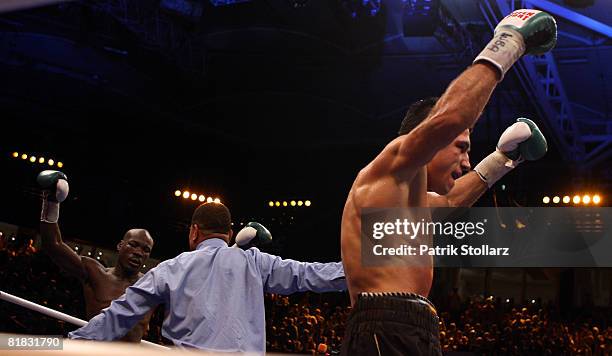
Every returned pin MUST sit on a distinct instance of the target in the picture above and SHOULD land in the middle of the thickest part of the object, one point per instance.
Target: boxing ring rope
(55, 314)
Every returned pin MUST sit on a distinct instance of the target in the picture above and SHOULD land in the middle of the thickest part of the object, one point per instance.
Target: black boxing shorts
(392, 324)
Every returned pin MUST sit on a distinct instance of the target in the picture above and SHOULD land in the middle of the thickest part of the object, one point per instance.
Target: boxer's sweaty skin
(398, 178)
(101, 285)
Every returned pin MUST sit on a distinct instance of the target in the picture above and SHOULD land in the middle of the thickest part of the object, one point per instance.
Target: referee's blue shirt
(214, 297)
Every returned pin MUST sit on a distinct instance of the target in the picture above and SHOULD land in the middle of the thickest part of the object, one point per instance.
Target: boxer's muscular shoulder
(381, 172)
(92, 264)
(374, 189)
(93, 269)
(392, 162)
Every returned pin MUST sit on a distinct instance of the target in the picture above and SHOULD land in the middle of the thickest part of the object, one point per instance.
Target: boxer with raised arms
(391, 315)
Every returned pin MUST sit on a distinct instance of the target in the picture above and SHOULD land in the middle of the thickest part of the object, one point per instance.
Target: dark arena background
(273, 107)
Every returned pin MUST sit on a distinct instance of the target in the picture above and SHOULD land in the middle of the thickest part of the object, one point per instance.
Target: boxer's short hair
(417, 112)
(214, 217)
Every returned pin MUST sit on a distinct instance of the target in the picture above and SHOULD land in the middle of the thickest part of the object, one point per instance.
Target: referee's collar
(212, 242)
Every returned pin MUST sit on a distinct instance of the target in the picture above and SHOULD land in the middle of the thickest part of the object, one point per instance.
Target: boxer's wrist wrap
(50, 211)
(494, 166)
(506, 47)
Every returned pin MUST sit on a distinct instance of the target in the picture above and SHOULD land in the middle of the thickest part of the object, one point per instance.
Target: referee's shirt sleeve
(285, 276)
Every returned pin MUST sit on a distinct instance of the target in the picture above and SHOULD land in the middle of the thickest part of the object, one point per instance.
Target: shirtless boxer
(101, 285)
(391, 316)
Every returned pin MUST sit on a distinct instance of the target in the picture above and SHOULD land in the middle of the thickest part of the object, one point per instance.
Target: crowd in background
(314, 323)
(496, 326)
(306, 322)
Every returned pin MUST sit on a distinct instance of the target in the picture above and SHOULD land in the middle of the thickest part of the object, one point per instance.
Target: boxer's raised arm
(523, 31)
(61, 254)
(456, 110)
(54, 185)
(522, 141)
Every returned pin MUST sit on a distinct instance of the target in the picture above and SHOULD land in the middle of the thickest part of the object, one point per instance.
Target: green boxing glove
(531, 149)
(522, 141)
(253, 235)
(524, 31)
(54, 185)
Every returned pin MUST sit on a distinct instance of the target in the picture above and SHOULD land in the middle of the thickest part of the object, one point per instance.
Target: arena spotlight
(566, 199)
(546, 200)
(596, 199)
(32, 159)
(177, 193)
(576, 199)
(300, 203)
(15, 154)
(209, 200)
(201, 198)
(270, 203)
(60, 164)
(217, 200)
(50, 162)
(24, 156)
(556, 200)
(307, 203)
(293, 203)
(277, 203)
(41, 160)
(194, 196)
(586, 199)
(284, 203)
(186, 194)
